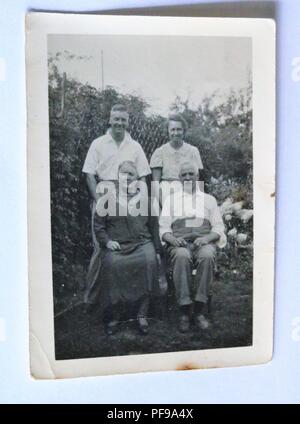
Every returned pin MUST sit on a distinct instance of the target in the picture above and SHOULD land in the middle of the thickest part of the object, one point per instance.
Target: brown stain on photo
(188, 367)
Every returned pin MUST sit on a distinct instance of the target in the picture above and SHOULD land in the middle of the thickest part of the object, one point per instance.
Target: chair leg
(171, 287)
(209, 302)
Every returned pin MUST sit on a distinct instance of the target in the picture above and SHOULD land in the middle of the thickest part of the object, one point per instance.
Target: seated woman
(130, 254)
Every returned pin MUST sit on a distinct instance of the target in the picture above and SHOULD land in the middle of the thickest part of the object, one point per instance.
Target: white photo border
(42, 347)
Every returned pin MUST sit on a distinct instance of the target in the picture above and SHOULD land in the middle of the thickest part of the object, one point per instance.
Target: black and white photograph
(151, 181)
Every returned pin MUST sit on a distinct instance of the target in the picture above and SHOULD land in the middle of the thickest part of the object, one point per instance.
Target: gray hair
(190, 165)
(129, 163)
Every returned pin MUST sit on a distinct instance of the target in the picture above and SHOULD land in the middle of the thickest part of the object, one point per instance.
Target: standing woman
(166, 160)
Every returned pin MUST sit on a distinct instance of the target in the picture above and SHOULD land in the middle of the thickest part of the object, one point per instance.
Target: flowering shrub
(236, 208)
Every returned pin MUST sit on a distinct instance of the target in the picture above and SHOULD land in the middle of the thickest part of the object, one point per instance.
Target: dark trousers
(190, 288)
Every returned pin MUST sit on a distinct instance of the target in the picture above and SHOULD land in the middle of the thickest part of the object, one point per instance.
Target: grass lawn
(79, 334)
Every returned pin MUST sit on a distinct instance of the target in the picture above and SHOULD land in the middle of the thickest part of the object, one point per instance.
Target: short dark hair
(119, 107)
(178, 118)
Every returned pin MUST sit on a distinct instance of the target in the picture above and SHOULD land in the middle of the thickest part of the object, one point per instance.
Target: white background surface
(276, 382)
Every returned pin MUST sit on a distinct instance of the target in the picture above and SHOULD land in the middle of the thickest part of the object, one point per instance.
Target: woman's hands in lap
(113, 245)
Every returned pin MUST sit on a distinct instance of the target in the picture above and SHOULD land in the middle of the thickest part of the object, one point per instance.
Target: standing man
(102, 164)
(191, 226)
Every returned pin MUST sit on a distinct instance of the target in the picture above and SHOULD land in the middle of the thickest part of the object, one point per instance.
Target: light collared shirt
(170, 159)
(192, 209)
(105, 155)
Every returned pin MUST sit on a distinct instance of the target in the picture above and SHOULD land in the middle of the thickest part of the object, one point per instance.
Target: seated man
(191, 227)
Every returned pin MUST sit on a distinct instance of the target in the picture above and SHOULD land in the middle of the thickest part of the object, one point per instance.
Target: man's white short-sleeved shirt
(105, 155)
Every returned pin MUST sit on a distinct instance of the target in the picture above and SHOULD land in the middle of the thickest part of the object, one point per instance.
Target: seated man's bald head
(188, 175)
